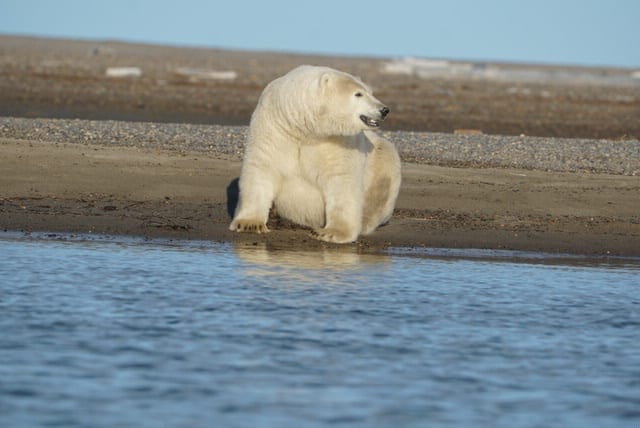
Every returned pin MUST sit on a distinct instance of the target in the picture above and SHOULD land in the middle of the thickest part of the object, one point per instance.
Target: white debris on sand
(411, 65)
(200, 74)
(429, 69)
(123, 72)
(426, 68)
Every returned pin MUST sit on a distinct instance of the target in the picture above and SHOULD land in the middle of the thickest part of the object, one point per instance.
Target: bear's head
(345, 105)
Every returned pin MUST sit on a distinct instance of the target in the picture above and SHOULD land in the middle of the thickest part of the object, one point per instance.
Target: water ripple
(133, 333)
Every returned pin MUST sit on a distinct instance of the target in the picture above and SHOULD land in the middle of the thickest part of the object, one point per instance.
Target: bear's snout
(384, 111)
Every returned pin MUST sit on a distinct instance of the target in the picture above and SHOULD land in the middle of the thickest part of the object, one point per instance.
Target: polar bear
(310, 153)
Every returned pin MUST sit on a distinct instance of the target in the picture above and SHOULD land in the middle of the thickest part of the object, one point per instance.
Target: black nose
(384, 111)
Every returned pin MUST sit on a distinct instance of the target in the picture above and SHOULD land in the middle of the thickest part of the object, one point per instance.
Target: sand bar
(513, 156)
(118, 178)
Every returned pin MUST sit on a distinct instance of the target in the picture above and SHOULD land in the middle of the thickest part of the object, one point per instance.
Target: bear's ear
(325, 80)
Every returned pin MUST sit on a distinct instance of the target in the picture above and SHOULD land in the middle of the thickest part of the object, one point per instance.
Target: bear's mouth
(372, 123)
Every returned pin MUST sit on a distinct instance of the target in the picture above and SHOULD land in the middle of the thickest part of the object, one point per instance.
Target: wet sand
(466, 190)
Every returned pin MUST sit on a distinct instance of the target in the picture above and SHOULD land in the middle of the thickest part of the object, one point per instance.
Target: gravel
(620, 157)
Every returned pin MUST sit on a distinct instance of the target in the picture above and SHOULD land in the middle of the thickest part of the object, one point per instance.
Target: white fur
(310, 154)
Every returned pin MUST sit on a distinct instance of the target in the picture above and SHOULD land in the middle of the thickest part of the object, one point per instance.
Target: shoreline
(346, 254)
(125, 181)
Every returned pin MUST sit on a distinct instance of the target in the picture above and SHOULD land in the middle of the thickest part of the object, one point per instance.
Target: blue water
(116, 332)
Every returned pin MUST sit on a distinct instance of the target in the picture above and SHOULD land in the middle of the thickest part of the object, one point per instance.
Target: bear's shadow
(233, 192)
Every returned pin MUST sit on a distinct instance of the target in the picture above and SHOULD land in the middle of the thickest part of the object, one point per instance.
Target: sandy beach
(496, 164)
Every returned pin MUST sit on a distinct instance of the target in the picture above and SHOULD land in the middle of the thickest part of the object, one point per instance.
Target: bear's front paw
(253, 226)
(333, 235)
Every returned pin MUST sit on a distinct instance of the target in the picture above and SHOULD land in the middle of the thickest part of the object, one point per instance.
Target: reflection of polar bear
(309, 153)
(293, 267)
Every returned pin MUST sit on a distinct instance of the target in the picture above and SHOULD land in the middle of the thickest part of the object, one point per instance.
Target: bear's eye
(358, 94)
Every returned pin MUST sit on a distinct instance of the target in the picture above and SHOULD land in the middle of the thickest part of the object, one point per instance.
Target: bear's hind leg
(338, 234)
(382, 184)
(378, 206)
